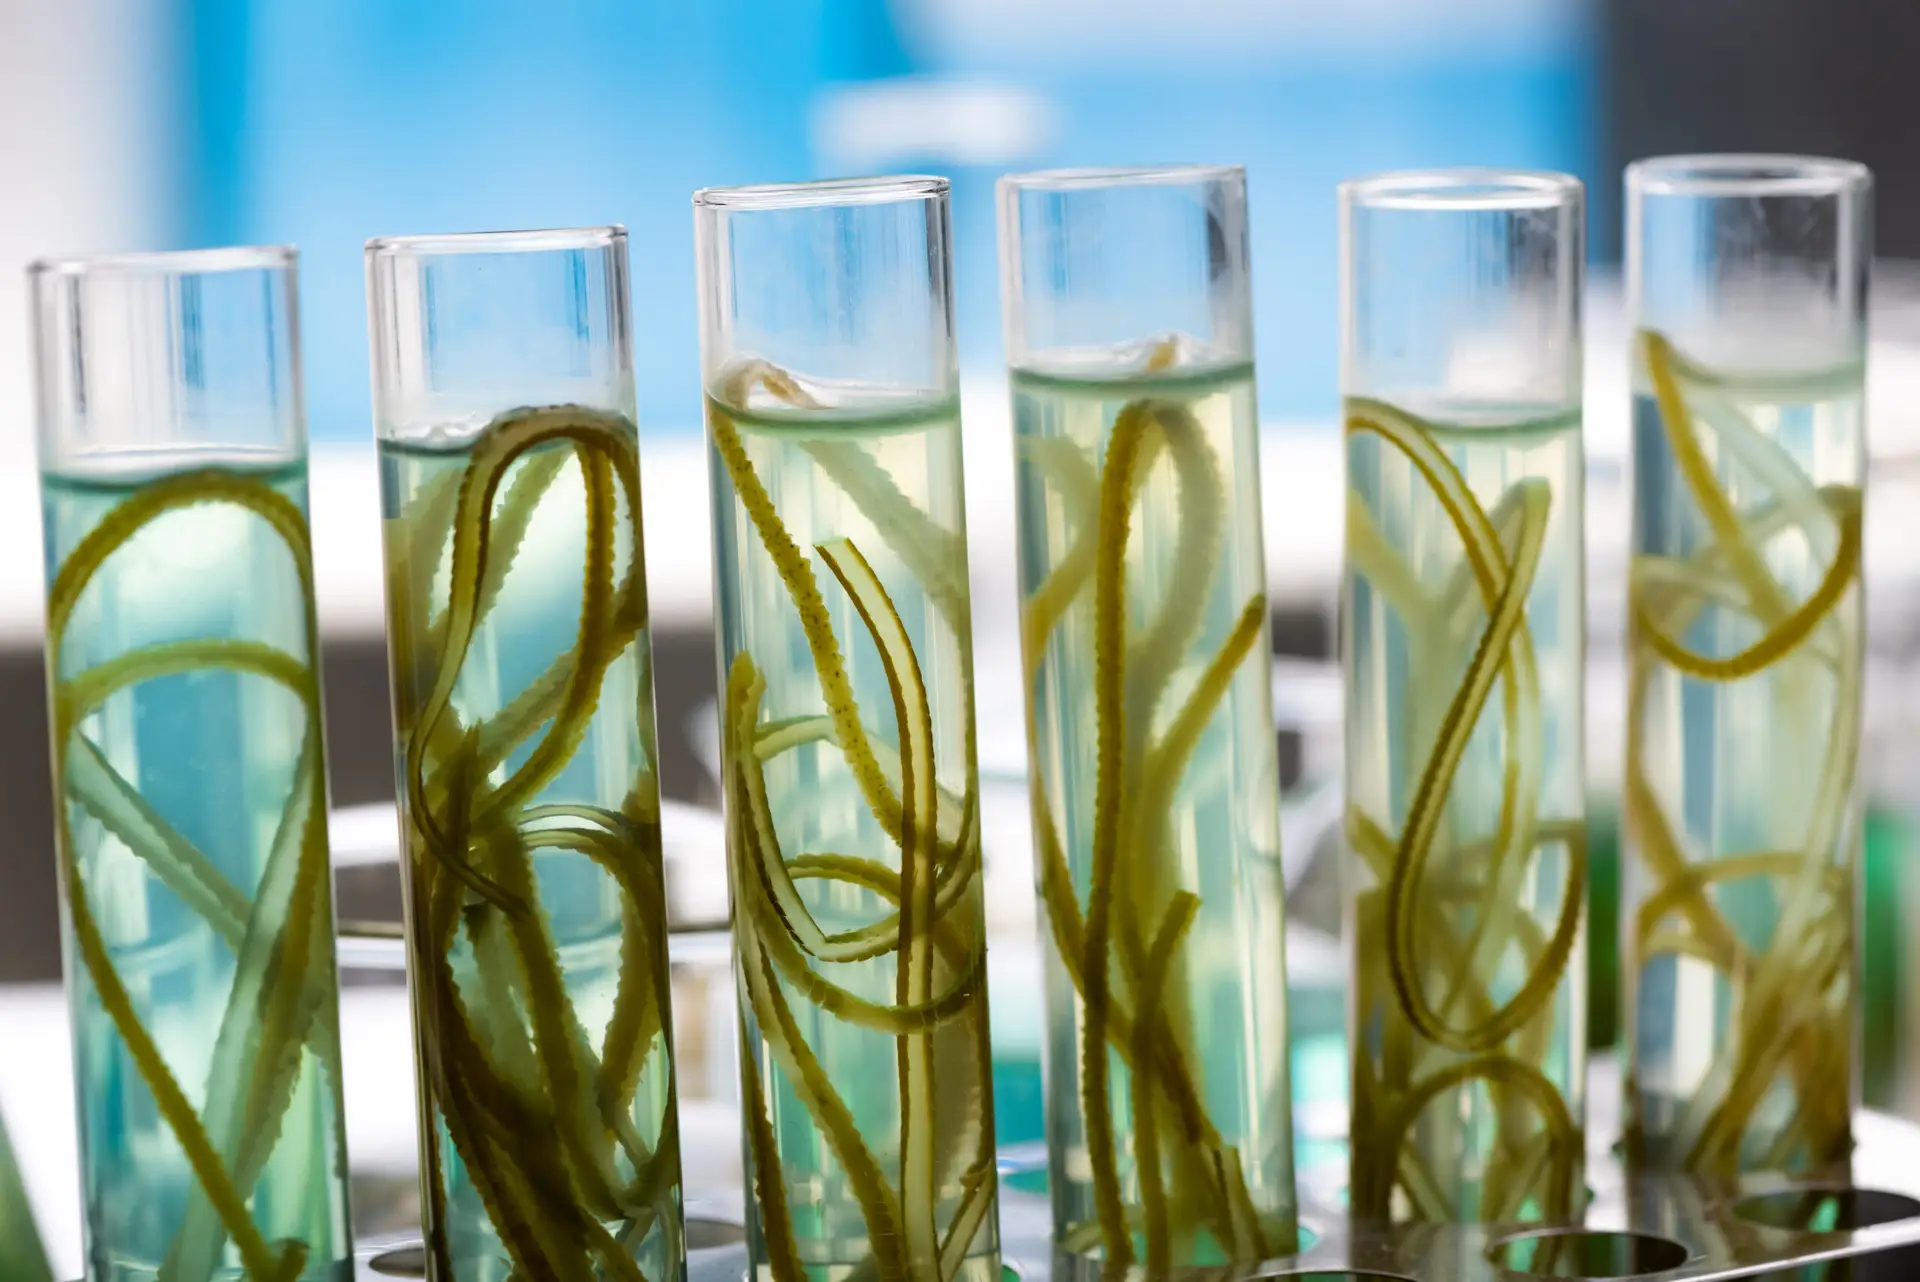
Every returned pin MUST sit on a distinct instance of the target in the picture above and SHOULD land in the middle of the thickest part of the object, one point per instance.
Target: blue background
(323, 123)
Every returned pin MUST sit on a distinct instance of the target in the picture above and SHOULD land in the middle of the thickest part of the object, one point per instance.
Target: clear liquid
(1478, 931)
(1756, 764)
(195, 766)
(1201, 817)
(890, 485)
(598, 936)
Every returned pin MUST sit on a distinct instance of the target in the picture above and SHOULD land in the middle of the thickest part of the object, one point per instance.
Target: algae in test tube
(1747, 284)
(190, 784)
(1463, 635)
(523, 699)
(853, 842)
(1154, 773)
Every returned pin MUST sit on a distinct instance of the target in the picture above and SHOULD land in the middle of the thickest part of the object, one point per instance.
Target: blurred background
(152, 124)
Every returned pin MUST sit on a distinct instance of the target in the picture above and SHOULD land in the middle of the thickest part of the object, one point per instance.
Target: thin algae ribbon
(932, 930)
(1405, 926)
(541, 1117)
(1190, 1178)
(282, 937)
(1792, 1015)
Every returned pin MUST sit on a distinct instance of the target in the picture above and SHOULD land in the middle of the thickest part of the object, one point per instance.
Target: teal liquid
(890, 483)
(606, 782)
(1205, 824)
(215, 757)
(1761, 763)
(1414, 619)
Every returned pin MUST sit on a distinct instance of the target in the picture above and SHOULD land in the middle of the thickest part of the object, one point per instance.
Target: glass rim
(531, 241)
(1466, 189)
(169, 262)
(1094, 177)
(1732, 173)
(824, 193)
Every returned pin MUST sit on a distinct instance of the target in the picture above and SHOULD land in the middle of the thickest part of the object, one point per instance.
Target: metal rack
(1670, 1229)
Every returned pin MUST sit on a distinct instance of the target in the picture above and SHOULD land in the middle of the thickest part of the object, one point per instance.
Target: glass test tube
(1747, 287)
(523, 701)
(1463, 636)
(1153, 760)
(190, 794)
(847, 724)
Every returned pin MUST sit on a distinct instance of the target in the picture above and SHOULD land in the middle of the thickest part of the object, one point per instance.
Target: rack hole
(1583, 1253)
(1331, 1275)
(1838, 1208)
(406, 1262)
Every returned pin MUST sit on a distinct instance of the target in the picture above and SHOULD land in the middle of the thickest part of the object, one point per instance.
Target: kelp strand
(1124, 970)
(1403, 927)
(541, 1117)
(930, 930)
(1791, 1018)
(282, 938)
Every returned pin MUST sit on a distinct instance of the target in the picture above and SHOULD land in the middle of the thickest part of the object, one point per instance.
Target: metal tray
(1669, 1229)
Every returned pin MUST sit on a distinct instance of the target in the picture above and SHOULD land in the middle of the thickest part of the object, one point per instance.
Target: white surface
(79, 150)
(36, 1096)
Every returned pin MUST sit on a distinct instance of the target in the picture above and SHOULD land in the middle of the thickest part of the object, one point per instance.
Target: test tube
(1152, 756)
(190, 794)
(853, 803)
(1463, 639)
(527, 761)
(1747, 294)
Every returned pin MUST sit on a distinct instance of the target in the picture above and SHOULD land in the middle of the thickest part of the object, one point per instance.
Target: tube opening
(497, 242)
(177, 262)
(1082, 179)
(824, 193)
(1490, 190)
(1733, 174)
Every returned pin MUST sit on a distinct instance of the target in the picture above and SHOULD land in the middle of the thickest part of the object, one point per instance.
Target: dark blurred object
(1820, 77)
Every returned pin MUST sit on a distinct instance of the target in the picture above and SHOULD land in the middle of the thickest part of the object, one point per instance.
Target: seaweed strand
(283, 975)
(1790, 1017)
(1503, 1041)
(1131, 677)
(540, 1117)
(938, 956)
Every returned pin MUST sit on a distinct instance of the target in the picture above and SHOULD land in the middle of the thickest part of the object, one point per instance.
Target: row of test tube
(190, 784)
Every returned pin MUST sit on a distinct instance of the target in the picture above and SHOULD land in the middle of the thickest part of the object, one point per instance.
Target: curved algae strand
(1476, 530)
(914, 978)
(1506, 1041)
(1781, 1027)
(879, 1205)
(538, 1114)
(938, 957)
(272, 1002)
(1136, 779)
(1109, 612)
